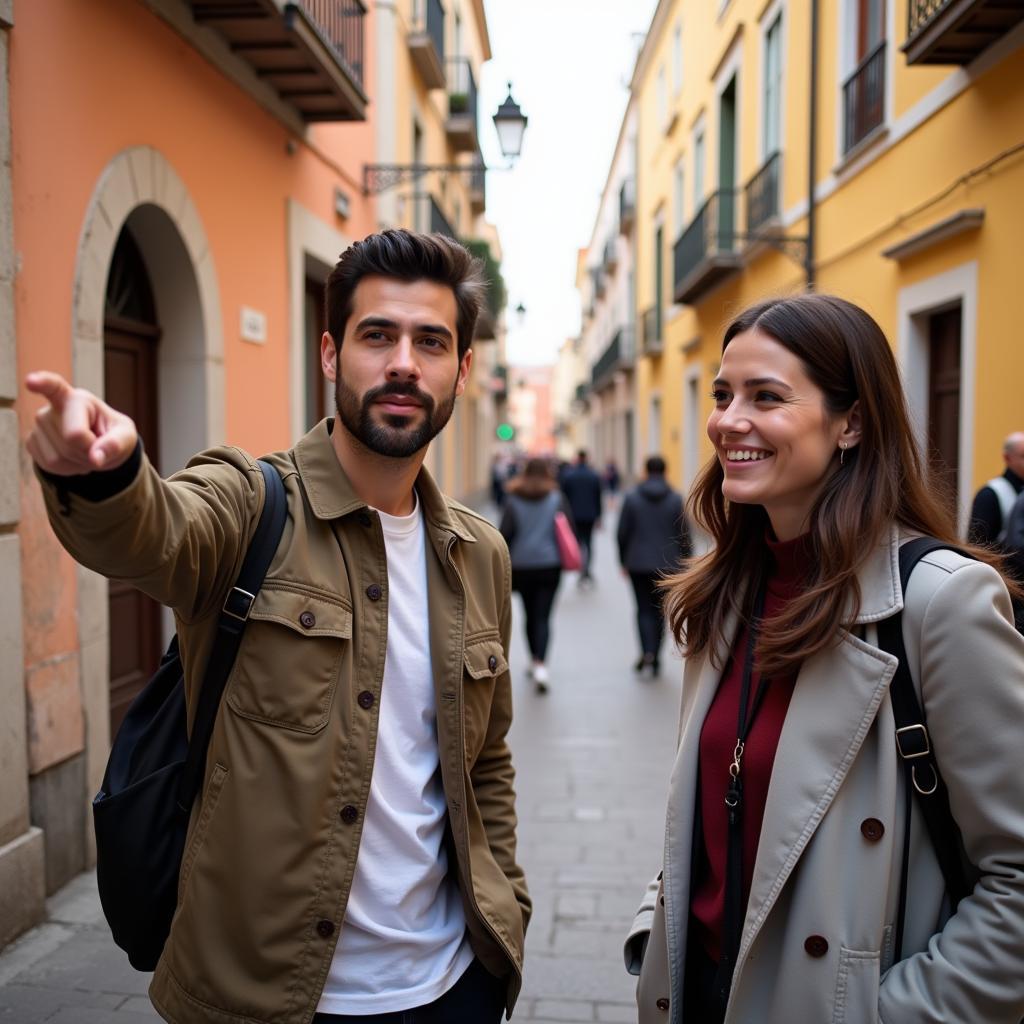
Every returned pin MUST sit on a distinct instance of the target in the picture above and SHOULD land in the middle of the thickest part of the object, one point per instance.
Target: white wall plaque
(254, 325)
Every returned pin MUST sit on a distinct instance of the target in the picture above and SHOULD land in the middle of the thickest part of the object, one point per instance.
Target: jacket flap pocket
(308, 614)
(485, 659)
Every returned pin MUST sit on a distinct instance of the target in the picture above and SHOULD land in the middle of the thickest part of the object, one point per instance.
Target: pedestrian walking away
(582, 488)
(528, 525)
(352, 855)
(845, 828)
(653, 539)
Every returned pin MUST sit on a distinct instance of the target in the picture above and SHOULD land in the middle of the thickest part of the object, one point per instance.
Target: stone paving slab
(593, 760)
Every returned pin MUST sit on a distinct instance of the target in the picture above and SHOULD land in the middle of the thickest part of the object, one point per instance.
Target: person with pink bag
(528, 524)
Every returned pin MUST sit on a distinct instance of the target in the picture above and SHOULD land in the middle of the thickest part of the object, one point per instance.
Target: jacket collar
(879, 578)
(331, 494)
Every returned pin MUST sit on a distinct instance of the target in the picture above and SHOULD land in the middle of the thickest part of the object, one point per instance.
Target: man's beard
(392, 436)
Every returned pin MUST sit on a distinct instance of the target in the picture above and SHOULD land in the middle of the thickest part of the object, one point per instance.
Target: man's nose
(403, 365)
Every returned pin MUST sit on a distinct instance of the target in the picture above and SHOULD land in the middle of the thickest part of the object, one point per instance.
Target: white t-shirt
(403, 942)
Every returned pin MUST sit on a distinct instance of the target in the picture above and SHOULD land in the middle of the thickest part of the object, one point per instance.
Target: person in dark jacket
(532, 500)
(993, 502)
(581, 486)
(653, 539)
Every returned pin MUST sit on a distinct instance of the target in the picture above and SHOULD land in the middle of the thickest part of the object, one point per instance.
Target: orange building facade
(175, 186)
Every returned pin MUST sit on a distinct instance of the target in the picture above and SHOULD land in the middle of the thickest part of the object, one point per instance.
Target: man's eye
(432, 342)
(376, 336)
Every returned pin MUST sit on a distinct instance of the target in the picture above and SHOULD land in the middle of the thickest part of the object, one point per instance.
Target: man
(352, 856)
(991, 508)
(653, 539)
(582, 488)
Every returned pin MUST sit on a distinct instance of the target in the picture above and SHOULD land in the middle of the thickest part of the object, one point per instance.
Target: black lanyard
(735, 910)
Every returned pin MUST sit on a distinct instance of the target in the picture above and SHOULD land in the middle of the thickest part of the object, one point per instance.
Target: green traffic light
(505, 431)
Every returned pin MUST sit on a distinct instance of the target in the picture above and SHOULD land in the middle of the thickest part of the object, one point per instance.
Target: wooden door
(130, 341)
(944, 402)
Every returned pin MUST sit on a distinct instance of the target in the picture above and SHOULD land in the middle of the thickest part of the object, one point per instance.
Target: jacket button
(364, 519)
(365, 700)
(307, 620)
(373, 592)
(349, 814)
(492, 662)
(816, 945)
(872, 829)
(662, 1004)
(325, 929)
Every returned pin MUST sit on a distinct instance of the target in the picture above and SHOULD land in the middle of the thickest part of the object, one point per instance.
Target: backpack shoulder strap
(1007, 496)
(913, 743)
(233, 618)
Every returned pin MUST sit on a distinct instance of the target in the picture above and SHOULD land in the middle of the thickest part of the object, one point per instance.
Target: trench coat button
(492, 662)
(661, 900)
(872, 829)
(365, 700)
(307, 620)
(364, 519)
(816, 945)
(373, 592)
(349, 814)
(662, 1004)
(325, 929)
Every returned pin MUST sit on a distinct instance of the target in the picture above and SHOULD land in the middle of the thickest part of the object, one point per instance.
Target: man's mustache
(406, 390)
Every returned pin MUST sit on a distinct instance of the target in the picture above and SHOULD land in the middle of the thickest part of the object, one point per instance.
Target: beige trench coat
(818, 875)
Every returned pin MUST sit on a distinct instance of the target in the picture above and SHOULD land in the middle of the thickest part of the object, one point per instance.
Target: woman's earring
(842, 452)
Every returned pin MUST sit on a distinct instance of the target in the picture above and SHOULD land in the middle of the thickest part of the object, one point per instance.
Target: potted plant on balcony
(458, 103)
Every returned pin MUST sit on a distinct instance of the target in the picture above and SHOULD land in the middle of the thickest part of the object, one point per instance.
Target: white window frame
(692, 429)
(677, 58)
(775, 13)
(678, 197)
(661, 89)
(699, 148)
(731, 67)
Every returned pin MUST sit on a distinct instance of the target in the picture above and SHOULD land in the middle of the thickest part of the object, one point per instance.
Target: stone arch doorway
(140, 195)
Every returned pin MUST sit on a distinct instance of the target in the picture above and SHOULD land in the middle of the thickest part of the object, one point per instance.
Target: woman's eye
(720, 396)
(767, 396)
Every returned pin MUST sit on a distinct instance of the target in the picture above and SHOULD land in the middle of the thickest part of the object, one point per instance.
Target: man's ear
(328, 356)
(465, 363)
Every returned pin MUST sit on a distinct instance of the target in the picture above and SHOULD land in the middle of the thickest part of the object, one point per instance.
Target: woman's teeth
(746, 456)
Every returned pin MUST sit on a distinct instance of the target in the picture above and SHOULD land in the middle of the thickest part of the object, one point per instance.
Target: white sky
(569, 62)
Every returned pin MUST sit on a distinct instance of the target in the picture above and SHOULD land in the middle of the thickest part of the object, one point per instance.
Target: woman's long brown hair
(881, 481)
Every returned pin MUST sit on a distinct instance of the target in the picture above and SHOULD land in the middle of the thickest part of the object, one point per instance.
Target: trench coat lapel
(835, 702)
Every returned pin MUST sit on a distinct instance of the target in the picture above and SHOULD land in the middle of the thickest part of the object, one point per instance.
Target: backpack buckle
(238, 604)
(912, 742)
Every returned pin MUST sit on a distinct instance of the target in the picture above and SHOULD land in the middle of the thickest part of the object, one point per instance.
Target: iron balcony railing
(608, 362)
(340, 24)
(439, 223)
(610, 258)
(650, 325)
(762, 194)
(581, 393)
(478, 186)
(710, 233)
(921, 12)
(627, 205)
(461, 88)
(864, 98)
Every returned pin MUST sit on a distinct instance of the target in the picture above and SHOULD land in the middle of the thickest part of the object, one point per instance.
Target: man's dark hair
(408, 256)
(581, 455)
(655, 465)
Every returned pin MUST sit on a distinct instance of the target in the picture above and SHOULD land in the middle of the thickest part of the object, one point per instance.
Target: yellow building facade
(915, 145)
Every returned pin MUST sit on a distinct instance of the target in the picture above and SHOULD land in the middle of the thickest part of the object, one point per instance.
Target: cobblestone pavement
(592, 757)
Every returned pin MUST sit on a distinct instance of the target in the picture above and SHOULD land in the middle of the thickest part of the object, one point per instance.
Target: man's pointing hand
(76, 432)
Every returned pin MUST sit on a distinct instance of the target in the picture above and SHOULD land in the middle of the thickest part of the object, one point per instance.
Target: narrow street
(593, 758)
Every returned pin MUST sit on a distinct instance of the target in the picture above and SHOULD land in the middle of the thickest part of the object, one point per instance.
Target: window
(698, 169)
(679, 197)
(864, 84)
(662, 97)
(677, 59)
(771, 135)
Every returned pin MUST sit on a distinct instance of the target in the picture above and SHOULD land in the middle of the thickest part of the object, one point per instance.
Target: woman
(780, 891)
(528, 525)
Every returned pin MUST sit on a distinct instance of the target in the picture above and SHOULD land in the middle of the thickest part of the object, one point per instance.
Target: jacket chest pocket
(484, 662)
(287, 669)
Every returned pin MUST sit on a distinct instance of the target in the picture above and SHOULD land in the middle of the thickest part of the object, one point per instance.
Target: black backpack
(914, 746)
(154, 772)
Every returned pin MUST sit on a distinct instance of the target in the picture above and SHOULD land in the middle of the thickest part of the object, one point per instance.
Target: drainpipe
(812, 149)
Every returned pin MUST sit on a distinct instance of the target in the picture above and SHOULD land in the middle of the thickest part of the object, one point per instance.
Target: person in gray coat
(653, 539)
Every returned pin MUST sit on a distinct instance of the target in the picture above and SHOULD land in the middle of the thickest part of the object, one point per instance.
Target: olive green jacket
(274, 837)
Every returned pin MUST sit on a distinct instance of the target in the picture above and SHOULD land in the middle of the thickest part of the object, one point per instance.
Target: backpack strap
(1006, 494)
(914, 746)
(231, 624)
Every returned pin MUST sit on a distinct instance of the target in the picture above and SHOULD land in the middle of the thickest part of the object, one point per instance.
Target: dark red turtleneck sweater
(791, 561)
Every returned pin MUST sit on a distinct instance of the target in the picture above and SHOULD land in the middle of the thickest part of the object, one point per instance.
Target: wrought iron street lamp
(510, 123)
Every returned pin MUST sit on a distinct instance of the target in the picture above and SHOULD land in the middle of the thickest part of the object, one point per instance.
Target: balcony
(439, 223)
(582, 393)
(762, 196)
(604, 369)
(461, 124)
(610, 259)
(705, 253)
(627, 206)
(478, 188)
(309, 51)
(956, 31)
(864, 99)
(650, 331)
(426, 43)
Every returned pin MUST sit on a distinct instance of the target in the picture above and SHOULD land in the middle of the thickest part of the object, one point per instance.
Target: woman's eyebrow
(754, 382)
